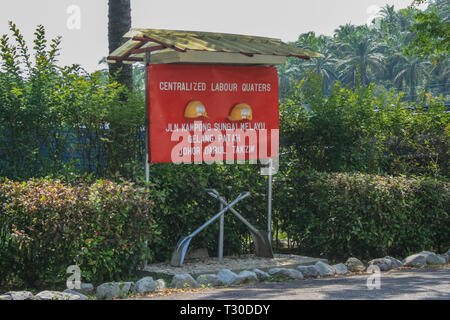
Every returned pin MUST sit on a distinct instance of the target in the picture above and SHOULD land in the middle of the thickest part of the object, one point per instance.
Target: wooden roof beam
(119, 59)
(130, 52)
(138, 38)
(148, 49)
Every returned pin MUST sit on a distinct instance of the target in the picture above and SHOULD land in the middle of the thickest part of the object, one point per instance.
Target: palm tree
(439, 81)
(360, 50)
(119, 23)
(410, 72)
(390, 17)
(406, 18)
(395, 44)
(325, 67)
(345, 31)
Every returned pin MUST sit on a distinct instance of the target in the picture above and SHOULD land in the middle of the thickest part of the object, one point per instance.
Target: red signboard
(212, 112)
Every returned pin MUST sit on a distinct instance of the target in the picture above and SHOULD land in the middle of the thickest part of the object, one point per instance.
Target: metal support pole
(269, 204)
(147, 165)
(221, 231)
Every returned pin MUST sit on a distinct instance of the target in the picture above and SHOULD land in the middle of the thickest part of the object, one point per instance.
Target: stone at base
(324, 269)
(82, 296)
(416, 260)
(262, 275)
(286, 273)
(395, 263)
(55, 295)
(211, 280)
(146, 284)
(355, 265)
(245, 277)
(227, 276)
(20, 295)
(86, 288)
(433, 259)
(382, 263)
(308, 271)
(340, 268)
(184, 281)
(110, 290)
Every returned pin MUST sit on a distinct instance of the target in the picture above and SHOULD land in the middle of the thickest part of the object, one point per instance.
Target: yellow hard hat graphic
(241, 111)
(195, 109)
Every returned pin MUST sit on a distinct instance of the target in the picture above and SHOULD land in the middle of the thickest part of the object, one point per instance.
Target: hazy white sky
(86, 45)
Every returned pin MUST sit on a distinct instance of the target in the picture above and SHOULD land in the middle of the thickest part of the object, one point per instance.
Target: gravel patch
(236, 264)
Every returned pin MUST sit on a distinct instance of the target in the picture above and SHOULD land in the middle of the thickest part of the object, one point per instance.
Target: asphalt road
(410, 284)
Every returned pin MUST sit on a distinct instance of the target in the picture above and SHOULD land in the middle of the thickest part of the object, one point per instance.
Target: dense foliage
(63, 121)
(363, 161)
(432, 30)
(338, 215)
(46, 226)
(356, 130)
(383, 51)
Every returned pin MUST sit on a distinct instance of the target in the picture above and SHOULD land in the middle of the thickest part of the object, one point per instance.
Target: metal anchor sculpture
(263, 247)
(180, 251)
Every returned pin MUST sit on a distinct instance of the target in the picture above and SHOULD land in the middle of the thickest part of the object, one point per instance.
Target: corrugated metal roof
(151, 40)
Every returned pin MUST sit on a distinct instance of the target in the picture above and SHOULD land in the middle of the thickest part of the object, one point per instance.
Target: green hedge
(46, 225)
(338, 215)
(355, 129)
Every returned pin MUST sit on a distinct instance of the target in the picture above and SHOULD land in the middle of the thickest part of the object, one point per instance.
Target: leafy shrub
(353, 129)
(61, 120)
(340, 215)
(47, 226)
(102, 227)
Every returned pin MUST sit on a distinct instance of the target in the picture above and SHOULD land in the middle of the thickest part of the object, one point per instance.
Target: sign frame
(238, 100)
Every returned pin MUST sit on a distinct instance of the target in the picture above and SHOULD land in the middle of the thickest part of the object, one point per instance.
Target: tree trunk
(119, 16)
(412, 83)
(363, 72)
